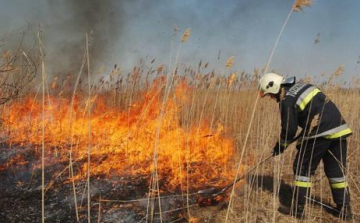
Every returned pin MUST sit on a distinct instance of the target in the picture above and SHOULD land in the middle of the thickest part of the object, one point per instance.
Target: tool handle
(254, 167)
(246, 173)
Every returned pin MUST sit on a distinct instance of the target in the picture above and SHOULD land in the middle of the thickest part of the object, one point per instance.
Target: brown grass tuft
(232, 78)
(230, 61)
(160, 68)
(186, 35)
(339, 71)
(299, 4)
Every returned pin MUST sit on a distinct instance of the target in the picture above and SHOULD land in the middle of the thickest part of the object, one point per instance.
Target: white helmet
(270, 84)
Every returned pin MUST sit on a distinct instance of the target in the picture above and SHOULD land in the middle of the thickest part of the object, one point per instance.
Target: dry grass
(300, 4)
(228, 99)
(213, 98)
(229, 62)
(254, 204)
(186, 35)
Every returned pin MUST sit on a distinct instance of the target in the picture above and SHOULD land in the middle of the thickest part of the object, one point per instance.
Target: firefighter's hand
(278, 149)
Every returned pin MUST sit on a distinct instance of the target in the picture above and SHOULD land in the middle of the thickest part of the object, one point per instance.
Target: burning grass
(123, 140)
(152, 146)
(201, 135)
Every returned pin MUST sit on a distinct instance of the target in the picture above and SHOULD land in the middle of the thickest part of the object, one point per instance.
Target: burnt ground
(123, 199)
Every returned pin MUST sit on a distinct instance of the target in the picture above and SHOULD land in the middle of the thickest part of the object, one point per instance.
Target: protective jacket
(304, 105)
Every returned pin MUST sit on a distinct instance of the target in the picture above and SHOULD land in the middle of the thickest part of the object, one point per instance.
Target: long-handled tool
(331, 209)
(213, 192)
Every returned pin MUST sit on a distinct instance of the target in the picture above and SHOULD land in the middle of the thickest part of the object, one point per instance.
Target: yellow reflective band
(284, 144)
(339, 185)
(303, 184)
(339, 134)
(308, 98)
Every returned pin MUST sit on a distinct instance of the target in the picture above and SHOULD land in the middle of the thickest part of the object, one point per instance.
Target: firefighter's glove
(278, 149)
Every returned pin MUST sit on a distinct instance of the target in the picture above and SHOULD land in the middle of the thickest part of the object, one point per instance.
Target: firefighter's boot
(342, 199)
(296, 211)
(297, 208)
(344, 212)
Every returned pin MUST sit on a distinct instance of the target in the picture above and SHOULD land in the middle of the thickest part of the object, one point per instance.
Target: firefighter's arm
(289, 126)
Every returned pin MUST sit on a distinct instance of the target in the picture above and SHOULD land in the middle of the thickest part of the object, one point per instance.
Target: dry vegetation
(154, 132)
(209, 99)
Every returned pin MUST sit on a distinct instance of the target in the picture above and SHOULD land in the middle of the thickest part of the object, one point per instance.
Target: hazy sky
(127, 30)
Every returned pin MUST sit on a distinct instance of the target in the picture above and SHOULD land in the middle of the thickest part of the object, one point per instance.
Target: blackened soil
(123, 198)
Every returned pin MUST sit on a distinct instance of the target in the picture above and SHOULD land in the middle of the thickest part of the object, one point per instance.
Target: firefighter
(323, 137)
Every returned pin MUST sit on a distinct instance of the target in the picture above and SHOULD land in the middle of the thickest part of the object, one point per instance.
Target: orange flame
(123, 140)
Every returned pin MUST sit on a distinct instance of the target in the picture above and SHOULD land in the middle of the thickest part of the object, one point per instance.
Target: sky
(125, 31)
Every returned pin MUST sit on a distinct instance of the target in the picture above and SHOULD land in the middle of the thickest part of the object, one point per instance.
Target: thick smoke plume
(100, 19)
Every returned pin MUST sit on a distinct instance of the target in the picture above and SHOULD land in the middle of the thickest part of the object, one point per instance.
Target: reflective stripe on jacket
(305, 106)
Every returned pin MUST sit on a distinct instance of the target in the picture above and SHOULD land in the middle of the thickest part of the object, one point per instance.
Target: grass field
(137, 146)
(183, 132)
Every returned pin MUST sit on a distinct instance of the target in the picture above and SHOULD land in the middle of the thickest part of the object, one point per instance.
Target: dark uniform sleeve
(289, 122)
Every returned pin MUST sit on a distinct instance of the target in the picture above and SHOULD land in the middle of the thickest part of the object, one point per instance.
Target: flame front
(123, 141)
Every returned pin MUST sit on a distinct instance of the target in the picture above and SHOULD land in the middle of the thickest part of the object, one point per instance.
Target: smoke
(123, 31)
(127, 30)
(71, 20)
